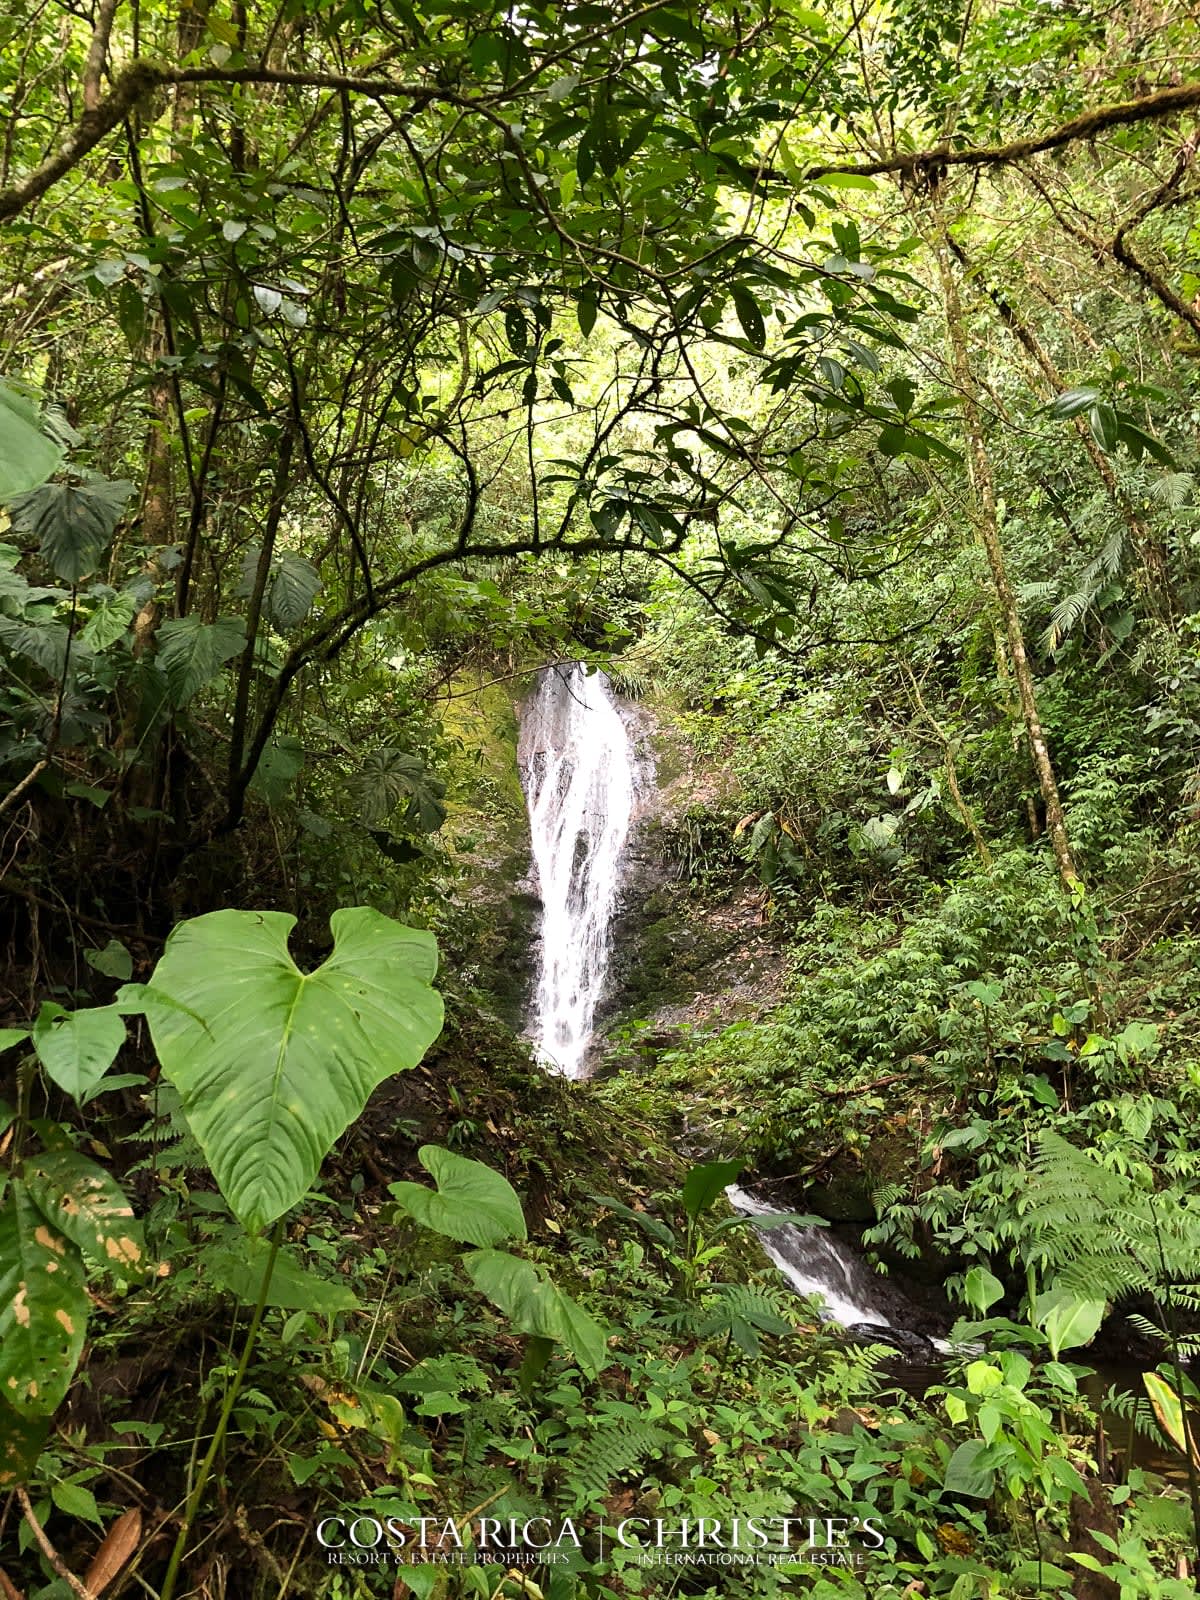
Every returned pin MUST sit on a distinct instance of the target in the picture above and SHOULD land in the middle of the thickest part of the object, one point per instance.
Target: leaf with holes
(77, 1047)
(471, 1203)
(272, 1063)
(72, 522)
(749, 316)
(83, 1202)
(192, 653)
(43, 1307)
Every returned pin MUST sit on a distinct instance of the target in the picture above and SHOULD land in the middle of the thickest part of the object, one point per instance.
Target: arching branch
(1150, 108)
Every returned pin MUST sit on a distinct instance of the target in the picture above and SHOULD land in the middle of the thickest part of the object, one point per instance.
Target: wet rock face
(910, 1344)
(682, 954)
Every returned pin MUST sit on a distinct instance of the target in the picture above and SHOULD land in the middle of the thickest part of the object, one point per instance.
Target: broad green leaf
(749, 316)
(657, 1230)
(1041, 1575)
(1102, 420)
(109, 621)
(12, 1036)
(43, 1307)
(1168, 1408)
(114, 961)
(1055, 1372)
(472, 1202)
(966, 1475)
(535, 1305)
(284, 1060)
(295, 584)
(83, 1202)
(76, 1501)
(27, 456)
(21, 1438)
(192, 653)
(1072, 401)
(77, 1047)
(585, 310)
(1069, 1320)
(278, 768)
(982, 1289)
(705, 1182)
(293, 1287)
(72, 522)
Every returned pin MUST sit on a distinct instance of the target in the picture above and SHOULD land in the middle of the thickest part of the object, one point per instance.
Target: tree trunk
(1155, 580)
(983, 487)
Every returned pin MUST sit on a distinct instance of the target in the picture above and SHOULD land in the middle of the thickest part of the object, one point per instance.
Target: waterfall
(580, 777)
(814, 1262)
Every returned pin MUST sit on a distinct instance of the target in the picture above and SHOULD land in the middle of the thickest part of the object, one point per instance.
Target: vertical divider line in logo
(601, 1538)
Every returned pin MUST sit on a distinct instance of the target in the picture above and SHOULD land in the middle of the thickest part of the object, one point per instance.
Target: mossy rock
(845, 1198)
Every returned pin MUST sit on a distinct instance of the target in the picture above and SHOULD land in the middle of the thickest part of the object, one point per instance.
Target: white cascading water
(580, 776)
(815, 1263)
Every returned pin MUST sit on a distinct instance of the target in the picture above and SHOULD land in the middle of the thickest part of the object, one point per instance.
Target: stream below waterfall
(584, 779)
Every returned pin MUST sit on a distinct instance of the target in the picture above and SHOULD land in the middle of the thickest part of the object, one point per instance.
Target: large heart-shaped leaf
(82, 1201)
(27, 456)
(471, 1203)
(704, 1183)
(43, 1307)
(77, 1047)
(295, 585)
(1068, 1319)
(969, 1471)
(72, 522)
(535, 1305)
(192, 653)
(272, 1063)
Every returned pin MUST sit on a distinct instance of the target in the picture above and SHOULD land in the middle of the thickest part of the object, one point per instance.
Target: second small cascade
(580, 776)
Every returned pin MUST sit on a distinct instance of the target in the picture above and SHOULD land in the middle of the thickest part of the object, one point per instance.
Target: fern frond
(1065, 616)
(1171, 489)
(1031, 592)
(612, 1451)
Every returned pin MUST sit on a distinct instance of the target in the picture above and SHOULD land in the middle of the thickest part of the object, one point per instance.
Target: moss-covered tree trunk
(983, 490)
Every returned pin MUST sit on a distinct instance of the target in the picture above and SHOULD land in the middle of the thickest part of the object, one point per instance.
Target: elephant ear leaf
(471, 1203)
(534, 1304)
(272, 1063)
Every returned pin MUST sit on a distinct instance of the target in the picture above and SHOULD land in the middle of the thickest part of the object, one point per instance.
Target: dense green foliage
(828, 375)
